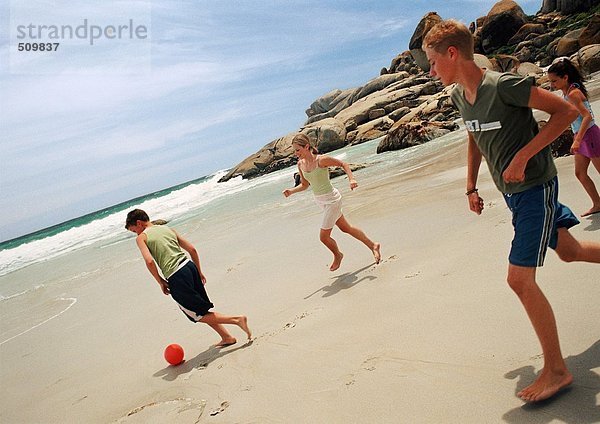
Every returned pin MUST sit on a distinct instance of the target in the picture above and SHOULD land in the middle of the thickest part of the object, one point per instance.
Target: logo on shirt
(475, 126)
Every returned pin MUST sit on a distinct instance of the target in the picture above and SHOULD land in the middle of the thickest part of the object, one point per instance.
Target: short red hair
(450, 33)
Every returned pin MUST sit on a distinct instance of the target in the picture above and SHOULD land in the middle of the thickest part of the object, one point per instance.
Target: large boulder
(371, 130)
(506, 63)
(502, 22)
(416, 41)
(529, 69)
(591, 33)
(330, 134)
(428, 107)
(413, 134)
(482, 61)
(568, 44)
(360, 111)
(588, 58)
(525, 31)
(262, 162)
(379, 83)
(331, 103)
(403, 62)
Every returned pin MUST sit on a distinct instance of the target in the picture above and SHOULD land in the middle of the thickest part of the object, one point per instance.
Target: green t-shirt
(164, 247)
(501, 124)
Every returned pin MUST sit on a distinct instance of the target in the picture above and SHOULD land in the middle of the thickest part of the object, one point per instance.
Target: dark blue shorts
(537, 216)
(189, 293)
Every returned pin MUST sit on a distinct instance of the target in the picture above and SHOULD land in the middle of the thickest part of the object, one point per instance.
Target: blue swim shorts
(537, 215)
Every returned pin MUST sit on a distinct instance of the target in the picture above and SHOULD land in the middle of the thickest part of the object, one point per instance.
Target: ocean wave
(72, 301)
(22, 293)
(107, 227)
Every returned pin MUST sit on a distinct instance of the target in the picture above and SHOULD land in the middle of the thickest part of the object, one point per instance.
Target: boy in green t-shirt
(181, 277)
(500, 126)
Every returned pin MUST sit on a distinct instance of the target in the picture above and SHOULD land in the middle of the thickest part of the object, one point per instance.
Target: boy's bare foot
(377, 252)
(546, 386)
(337, 261)
(226, 342)
(592, 211)
(244, 326)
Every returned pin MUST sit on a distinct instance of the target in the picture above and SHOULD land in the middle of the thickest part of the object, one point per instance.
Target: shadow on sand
(592, 221)
(343, 282)
(200, 361)
(576, 404)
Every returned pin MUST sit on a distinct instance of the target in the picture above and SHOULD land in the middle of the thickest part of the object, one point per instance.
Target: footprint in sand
(222, 408)
(287, 326)
(389, 259)
(185, 410)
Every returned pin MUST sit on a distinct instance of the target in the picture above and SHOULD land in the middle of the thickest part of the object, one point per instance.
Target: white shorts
(331, 204)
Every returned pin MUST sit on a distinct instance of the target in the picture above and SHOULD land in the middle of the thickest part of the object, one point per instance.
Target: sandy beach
(432, 334)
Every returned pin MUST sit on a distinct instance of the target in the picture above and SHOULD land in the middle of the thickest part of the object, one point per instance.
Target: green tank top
(319, 180)
(164, 247)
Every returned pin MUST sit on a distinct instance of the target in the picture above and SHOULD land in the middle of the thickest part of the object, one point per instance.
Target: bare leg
(596, 163)
(582, 164)
(325, 237)
(359, 234)
(555, 375)
(569, 249)
(215, 319)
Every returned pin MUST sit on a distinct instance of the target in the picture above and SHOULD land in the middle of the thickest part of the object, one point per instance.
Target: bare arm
(304, 184)
(473, 163)
(561, 112)
(150, 264)
(326, 161)
(189, 247)
(576, 97)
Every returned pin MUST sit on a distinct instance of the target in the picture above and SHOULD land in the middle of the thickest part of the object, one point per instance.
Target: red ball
(174, 354)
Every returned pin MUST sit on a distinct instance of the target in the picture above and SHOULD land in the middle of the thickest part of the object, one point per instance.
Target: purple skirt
(590, 144)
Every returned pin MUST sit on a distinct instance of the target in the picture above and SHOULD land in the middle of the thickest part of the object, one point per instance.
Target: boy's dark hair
(564, 66)
(134, 216)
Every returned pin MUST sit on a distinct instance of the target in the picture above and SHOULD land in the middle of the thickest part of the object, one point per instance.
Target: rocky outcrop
(501, 24)
(405, 107)
(568, 44)
(273, 156)
(335, 172)
(588, 58)
(416, 41)
(413, 134)
(567, 7)
(591, 33)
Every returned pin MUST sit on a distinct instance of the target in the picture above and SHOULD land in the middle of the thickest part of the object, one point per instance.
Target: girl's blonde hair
(303, 140)
(450, 33)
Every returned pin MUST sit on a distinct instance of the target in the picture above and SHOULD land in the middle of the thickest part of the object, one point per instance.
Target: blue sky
(89, 126)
